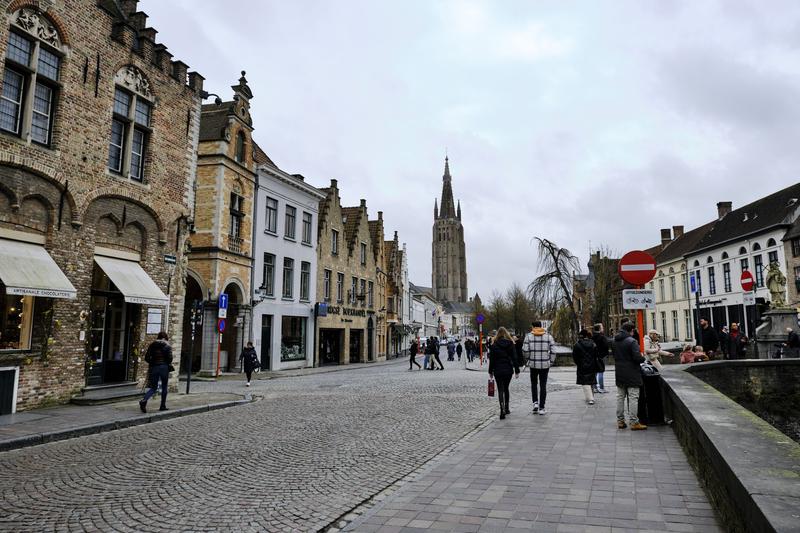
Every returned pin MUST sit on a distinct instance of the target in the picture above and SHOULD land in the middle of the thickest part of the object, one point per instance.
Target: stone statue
(776, 283)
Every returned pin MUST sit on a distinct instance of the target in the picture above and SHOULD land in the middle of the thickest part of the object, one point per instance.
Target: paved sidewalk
(570, 470)
(28, 428)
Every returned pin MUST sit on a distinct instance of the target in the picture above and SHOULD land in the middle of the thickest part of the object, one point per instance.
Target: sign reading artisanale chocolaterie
(346, 311)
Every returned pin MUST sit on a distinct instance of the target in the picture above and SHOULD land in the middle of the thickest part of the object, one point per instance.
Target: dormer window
(30, 77)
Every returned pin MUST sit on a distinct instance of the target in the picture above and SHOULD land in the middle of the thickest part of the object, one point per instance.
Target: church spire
(458, 210)
(448, 206)
(435, 208)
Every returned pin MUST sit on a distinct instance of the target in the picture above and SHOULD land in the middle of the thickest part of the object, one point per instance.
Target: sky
(587, 123)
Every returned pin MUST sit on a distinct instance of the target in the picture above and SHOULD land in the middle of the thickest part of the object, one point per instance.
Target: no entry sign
(747, 280)
(637, 267)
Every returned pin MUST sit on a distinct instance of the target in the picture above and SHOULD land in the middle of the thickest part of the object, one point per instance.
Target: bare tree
(497, 311)
(554, 286)
(520, 309)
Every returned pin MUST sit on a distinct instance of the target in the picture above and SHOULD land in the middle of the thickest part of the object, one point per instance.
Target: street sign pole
(637, 268)
(480, 342)
(640, 325)
(196, 306)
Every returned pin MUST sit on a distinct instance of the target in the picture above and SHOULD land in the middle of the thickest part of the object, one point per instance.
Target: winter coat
(539, 349)
(737, 345)
(584, 353)
(627, 359)
(459, 349)
(709, 339)
(793, 340)
(451, 349)
(250, 359)
(601, 342)
(502, 358)
(158, 353)
(414, 349)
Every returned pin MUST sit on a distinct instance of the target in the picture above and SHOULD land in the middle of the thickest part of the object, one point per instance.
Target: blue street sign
(480, 318)
(692, 283)
(223, 301)
(221, 325)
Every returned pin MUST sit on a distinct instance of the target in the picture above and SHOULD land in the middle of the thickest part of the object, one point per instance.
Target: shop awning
(132, 281)
(28, 269)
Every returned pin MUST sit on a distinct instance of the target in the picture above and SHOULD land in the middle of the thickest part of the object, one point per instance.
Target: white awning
(28, 269)
(132, 281)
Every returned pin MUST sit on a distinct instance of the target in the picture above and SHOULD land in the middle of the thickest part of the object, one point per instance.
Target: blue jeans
(158, 372)
(600, 384)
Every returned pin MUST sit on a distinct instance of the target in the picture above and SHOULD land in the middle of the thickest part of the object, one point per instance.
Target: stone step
(114, 392)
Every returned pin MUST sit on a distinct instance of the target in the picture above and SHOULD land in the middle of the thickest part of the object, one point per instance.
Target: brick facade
(66, 192)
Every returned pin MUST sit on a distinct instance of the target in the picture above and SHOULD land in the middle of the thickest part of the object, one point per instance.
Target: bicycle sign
(638, 299)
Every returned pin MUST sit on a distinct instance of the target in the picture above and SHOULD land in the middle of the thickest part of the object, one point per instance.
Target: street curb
(102, 427)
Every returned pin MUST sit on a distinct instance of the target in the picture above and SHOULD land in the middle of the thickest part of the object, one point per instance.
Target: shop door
(330, 346)
(110, 339)
(8, 379)
(266, 341)
(355, 345)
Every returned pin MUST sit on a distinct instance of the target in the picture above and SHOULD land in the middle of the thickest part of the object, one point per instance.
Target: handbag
(648, 369)
(491, 387)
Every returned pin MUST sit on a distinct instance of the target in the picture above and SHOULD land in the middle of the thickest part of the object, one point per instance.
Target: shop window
(15, 321)
(130, 124)
(293, 338)
(30, 77)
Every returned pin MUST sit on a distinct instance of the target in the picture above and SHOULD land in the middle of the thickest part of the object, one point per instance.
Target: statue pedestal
(772, 330)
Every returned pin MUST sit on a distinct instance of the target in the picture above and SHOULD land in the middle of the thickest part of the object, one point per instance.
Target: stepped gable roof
(684, 244)
(794, 231)
(352, 216)
(376, 233)
(261, 157)
(777, 209)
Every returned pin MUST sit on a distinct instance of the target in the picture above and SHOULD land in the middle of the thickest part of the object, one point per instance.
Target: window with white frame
(661, 289)
(796, 247)
(271, 225)
(363, 292)
(726, 276)
(363, 253)
(31, 77)
(353, 289)
(664, 325)
(291, 218)
(307, 219)
(672, 291)
(685, 285)
(305, 278)
(268, 281)
(288, 277)
(759, 266)
(699, 280)
(676, 334)
(712, 281)
(687, 322)
(339, 287)
(130, 124)
(334, 242)
(772, 257)
(326, 285)
(371, 294)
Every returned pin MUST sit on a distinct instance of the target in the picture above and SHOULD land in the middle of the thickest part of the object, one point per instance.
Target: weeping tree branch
(554, 286)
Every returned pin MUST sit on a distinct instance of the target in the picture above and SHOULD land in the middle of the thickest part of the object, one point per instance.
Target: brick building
(98, 135)
(346, 267)
(221, 255)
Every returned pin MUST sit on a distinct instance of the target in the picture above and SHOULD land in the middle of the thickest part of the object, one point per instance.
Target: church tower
(449, 278)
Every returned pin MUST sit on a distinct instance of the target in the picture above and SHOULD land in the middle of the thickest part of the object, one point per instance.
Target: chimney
(677, 231)
(666, 236)
(380, 215)
(723, 208)
(334, 184)
(363, 203)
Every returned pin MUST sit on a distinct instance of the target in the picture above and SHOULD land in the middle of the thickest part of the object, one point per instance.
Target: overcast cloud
(582, 122)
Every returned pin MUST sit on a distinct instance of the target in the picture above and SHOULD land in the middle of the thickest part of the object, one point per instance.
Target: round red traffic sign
(637, 267)
(747, 280)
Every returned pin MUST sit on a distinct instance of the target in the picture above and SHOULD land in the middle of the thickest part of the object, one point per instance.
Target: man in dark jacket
(628, 374)
(600, 340)
(159, 359)
(708, 338)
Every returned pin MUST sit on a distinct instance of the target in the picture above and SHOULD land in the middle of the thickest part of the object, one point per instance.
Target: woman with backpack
(249, 360)
(502, 365)
(586, 358)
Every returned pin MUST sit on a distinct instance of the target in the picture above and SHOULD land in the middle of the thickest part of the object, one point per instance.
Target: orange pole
(480, 342)
(640, 326)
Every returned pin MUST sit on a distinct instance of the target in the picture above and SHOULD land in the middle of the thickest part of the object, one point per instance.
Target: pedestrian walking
(433, 350)
(451, 350)
(249, 360)
(539, 350)
(518, 351)
(737, 343)
(159, 360)
(708, 338)
(459, 349)
(502, 365)
(413, 350)
(628, 374)
(601, 342)
(652, 349)
(584, 354)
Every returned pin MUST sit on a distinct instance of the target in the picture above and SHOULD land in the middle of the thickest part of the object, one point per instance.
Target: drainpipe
(253, 259)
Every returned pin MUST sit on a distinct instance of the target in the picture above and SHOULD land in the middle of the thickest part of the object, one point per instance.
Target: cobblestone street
(310, 451)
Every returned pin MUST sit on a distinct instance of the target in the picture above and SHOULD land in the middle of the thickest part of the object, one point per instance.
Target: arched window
(742, 250)
(696, 263)
(724, 255)
(771, 242)
(756, 247)
(31, 77)
(709, 259)
(130, 123)
(239, 156)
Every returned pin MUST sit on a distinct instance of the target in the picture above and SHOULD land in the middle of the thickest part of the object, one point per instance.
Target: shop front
(330, 346)
(284, 339)
(344, 335)
(29, 281)
(121, 292)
